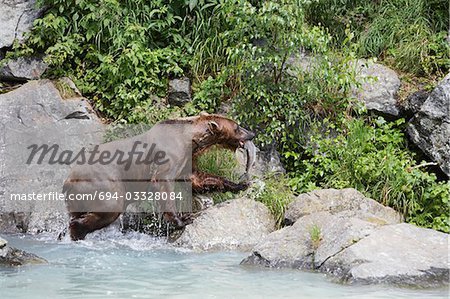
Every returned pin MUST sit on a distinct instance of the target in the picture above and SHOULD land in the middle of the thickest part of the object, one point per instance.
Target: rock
(379, 87)
(429, 129)
(413, 103)
(16, 17)
(30, 68)
(179, 91)
(354, 246)
(36, 114)
(379, 84)
(400, 254)
(348, 202)
(3, 243)
(10, 256)
(300, 61)
(295, 246)
(357, 251)
(235, 224)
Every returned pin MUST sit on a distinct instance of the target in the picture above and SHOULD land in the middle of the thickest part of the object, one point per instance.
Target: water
(113, 265)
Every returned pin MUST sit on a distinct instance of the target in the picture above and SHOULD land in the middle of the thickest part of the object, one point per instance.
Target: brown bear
(171, 149)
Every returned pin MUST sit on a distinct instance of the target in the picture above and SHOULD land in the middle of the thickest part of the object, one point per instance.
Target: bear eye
(236, 129)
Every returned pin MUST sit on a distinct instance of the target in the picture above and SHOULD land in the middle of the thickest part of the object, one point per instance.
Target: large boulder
(235, 224)
(10, 256)
(348, 201)
(379, 87)
(354, 245)
(37, 114)
(309, 242)
(20, 69)
(401, 254)
(16, 17)
(429, 129)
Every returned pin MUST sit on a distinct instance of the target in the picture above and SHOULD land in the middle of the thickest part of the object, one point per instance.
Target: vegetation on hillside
(239, 52)
(407, 34)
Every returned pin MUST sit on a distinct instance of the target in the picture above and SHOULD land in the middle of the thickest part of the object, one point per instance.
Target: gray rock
(349, 202)
(295, 246)
(353, 248)
(413, 103)
(302, 62)
(36, 114)
(379, 84)
(10, 256)
(179, 91)
(429, 129)
(379, 87)
(400, 254)
(16, 17)
(3, 243)
(236, 224)
(20, 69)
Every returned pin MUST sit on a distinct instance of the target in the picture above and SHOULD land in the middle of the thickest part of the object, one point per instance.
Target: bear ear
(213, 126)
(204, 113)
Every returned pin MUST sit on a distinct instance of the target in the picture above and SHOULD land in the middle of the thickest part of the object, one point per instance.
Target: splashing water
(109, 264)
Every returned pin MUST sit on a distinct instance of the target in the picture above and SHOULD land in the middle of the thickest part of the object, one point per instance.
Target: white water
(112, 265)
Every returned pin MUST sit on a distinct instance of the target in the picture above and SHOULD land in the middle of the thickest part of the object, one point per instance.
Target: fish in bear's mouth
(250, 153)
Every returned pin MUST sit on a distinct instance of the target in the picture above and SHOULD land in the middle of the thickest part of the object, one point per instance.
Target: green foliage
(220, 162)
(315, 233)
(372, 158)
(118, 52)
(210, 93)
(122, 53)
(281, 106)
(408, 34)
(220, 28)
(223, 163)
(275, 193)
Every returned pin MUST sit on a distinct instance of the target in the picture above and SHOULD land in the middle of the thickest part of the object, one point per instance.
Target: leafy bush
(118, 52)
(372, 158)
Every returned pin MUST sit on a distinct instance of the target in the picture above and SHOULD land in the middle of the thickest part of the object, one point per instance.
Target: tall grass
(409, 34)
(223, 163)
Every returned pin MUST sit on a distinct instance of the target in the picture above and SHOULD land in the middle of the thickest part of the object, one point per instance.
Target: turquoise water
(112, 265)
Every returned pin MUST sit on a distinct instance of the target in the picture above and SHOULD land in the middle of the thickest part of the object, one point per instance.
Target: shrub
(119, 53)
